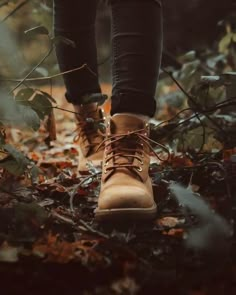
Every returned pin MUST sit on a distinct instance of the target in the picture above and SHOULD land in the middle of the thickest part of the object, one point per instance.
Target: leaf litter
(47, 207)
(52, 220)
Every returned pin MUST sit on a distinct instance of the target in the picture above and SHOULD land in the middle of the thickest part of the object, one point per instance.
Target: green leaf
(23, 96)
(2, 138)
(17, 163)
(7, 107)
(200, 93)
(194, 138)
(43, 72)
(34, 174)
(13, 166)
(42, 105)
(39, 30)
(190, 74)
(19, 112)
(188, 57)
(30, 117)
(17, 155)
(227, 79)
(230, 84)
(214, 81)
(39, 101)
(226, 41)
(48, 96)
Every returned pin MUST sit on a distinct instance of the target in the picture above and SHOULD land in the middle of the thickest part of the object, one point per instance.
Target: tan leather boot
(90, 117)
(126, 189)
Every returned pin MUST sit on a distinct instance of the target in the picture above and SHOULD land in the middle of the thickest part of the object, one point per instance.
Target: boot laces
(90, 128)
(124, 148)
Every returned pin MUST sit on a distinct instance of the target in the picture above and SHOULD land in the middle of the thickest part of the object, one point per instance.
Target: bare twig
(73, 193)
(180, 86)
(4, 3)
(62, 218)
(48, 77)
(173, 118)
(65, 110)
(92, 230)
(20, 5)
(197, 105)
(203, 134)
(34, 68)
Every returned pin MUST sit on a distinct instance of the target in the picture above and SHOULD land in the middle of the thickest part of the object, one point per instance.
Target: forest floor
(50, 243)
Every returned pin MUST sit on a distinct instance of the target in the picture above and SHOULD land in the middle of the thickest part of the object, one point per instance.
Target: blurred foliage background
(196, 89)
(199, 39)
(188, 24)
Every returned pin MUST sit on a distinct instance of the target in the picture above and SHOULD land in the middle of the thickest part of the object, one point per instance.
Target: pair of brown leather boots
(123, 151)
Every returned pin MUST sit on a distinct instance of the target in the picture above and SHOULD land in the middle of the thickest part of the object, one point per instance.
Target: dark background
(188, 24)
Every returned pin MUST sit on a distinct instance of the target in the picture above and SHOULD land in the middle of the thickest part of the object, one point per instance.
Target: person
(136, 37)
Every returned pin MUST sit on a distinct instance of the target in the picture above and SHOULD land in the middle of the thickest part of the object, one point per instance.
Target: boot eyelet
(141, 162)
(106, 164)
(105, 171)
(140, 169)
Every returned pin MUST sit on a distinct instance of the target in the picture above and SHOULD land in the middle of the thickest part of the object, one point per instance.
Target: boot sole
(124, 214)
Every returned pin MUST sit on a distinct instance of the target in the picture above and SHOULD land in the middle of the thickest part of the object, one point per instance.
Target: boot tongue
(125, 123)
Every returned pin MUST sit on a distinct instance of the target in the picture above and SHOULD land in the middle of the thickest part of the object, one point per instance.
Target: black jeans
(136, 51)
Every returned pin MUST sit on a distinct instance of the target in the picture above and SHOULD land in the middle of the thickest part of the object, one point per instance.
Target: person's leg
(75, 20)
(126, 189)
(137, 46)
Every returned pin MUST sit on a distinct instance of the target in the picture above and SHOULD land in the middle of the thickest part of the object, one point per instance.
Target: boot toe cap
(116, 197)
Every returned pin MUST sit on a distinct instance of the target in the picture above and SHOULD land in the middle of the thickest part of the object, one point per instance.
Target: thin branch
(20, 5)
(173, 118)
(203, 134)
(38, 64)
(223, 104)
(65, 110)
(179, 86)
(73, 193)
(49, 77)
(62, 218)
(4, 3)
(92, 230)
(198, 106)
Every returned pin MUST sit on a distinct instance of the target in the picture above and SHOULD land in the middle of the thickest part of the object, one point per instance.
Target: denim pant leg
(75, 20)
(137, 47)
